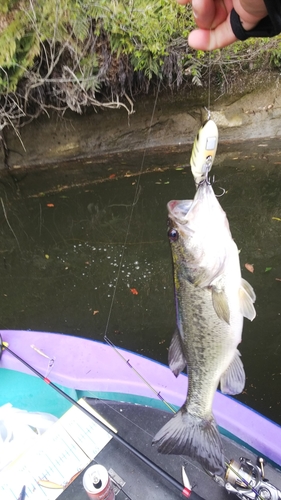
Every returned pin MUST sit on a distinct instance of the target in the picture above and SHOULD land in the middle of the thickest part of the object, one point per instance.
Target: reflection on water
(60, 261)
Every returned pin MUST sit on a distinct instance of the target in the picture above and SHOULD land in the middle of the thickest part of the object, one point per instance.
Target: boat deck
(137, 425)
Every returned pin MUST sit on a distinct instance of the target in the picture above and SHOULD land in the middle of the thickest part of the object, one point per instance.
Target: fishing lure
(204, 151)
(45, 483)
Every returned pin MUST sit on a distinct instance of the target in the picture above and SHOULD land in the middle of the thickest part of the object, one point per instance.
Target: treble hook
(222, 193)
(210, 180)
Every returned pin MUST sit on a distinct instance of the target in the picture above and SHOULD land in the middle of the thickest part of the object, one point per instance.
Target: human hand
(213, 20)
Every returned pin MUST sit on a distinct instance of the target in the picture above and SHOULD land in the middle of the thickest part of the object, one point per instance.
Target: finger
(204, 13)
(212, 39)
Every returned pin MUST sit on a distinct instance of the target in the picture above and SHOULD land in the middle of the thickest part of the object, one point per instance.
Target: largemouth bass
(211, 300)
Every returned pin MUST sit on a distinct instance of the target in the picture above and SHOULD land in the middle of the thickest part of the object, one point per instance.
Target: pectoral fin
(247, 297)
(176, 358)
(233, 379)
(220, 304)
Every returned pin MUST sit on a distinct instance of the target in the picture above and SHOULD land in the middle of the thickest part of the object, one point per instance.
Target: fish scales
(211, 300)
(202, 354)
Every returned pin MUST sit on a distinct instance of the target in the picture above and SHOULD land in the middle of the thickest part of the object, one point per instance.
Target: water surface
(62, 236)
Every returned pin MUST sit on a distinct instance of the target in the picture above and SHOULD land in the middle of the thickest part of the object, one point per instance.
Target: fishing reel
(247, 481)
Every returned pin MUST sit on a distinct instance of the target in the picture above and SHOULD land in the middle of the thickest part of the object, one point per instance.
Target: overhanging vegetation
(72, 54)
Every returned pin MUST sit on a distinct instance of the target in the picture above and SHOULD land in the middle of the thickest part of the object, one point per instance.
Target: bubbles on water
(102, 264)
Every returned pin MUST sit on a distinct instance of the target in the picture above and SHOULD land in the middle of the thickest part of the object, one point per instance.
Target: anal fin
(233, 379)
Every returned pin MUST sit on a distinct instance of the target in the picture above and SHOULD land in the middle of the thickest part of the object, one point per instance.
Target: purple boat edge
(90, 365)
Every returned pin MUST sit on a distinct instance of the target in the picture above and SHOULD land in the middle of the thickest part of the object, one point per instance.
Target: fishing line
(209, 82)
(107, 340)
(106, 426)
(145, 431)
(8, 223)
(136, 196)
(242, 479)
(137, 192)
(113, 432)
(127, 361)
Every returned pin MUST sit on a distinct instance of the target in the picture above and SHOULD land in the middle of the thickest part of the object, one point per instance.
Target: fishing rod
(185, 489)
(244, 479)
(143, 379)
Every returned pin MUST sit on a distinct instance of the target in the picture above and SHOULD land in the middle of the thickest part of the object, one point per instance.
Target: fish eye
(173, 235)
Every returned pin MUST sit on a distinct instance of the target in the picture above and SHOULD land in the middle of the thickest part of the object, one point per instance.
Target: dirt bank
(252, 110)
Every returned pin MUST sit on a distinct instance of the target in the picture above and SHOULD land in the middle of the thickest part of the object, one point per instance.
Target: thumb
(217, 38)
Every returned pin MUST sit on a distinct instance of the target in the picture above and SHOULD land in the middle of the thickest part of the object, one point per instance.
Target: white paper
(59, 454)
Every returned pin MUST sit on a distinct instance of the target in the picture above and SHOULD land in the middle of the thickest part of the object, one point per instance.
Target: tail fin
(188, 434)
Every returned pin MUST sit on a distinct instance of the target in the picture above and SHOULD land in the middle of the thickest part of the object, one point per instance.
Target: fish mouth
(178, 209)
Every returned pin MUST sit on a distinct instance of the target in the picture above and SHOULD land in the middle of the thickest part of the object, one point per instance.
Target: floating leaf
(50, 205)
(250, 267)
(276, 218)
(47, 256)
(95, 312)
(267, 269)
(134, 291)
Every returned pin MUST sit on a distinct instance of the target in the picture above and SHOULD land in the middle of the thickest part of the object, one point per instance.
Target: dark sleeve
(269, 26)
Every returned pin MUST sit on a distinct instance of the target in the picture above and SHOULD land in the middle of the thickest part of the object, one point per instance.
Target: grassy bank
(74, 54)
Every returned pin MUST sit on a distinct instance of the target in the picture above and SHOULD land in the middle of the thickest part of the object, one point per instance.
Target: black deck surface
(137, 425)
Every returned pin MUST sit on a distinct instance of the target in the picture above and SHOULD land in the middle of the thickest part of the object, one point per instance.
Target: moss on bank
(72, 54)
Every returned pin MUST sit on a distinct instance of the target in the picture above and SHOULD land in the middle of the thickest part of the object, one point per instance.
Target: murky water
(60, 251)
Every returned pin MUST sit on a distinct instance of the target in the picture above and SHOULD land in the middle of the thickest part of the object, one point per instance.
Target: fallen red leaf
(250, 267)
(134, 291)
(112, 176)
(50, 205)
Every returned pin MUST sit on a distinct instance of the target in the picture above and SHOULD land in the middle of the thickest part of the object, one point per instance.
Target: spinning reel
(247, 481)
